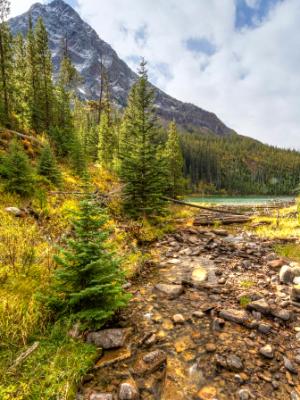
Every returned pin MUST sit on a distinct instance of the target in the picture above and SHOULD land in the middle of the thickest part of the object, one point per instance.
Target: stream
(209, 319)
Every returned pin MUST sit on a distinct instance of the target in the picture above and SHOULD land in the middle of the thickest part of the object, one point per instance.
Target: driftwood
(22, 135)
(24, 355)
(223, 220)
(216, 210)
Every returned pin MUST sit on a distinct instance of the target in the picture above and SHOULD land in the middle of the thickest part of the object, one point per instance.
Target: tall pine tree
(142, 167)
(6, 65)
(174, 163)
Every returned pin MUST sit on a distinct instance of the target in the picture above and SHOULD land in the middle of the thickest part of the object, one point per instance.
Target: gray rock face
(108, 338)
(86, 50)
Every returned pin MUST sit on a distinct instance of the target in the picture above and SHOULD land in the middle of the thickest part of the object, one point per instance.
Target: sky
(237, 58)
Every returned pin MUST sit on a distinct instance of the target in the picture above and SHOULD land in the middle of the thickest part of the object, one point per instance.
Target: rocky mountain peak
(86, 49)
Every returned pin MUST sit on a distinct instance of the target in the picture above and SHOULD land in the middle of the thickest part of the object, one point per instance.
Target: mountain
(86, 50)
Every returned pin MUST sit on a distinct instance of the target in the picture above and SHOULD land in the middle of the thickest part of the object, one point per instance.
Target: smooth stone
(234, 363)
(259, 305)
(267, 351)
(100, 396)
(199, 275)
(276, 264)
(285, 315)
(210, 347)
(14, 211)
(295, 293)
(171, 291)
(150, 362)
(207, 393)
(198, 314)
(244, 394)
(128, 391)
(178, 319)
(289, 365)
(264, 328)
(233, 315)
(286, 274)
(109, 338)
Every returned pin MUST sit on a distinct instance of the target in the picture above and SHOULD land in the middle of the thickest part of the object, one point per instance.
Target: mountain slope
(86, 50)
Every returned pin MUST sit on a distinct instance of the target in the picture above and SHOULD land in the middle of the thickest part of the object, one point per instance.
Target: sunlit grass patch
(247, 284)
(289, 250)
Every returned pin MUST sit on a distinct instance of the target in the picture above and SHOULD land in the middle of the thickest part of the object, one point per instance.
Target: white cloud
(251, 82)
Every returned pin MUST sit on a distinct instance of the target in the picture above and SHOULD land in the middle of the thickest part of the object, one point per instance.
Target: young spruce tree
(18, 171)
(48, 167)
(141, 165)
(174, 162)
(88, 280)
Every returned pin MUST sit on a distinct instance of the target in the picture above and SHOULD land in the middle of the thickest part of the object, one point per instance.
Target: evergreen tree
(19, 173)
(20, 95)
(44, 76)
(6, 64)
(48, 167)
(141, 164)
(78, 157)
(33, 82)
(88, 280)
(174, 162)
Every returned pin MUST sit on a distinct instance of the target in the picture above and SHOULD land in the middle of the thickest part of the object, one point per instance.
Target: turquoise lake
(239, 200)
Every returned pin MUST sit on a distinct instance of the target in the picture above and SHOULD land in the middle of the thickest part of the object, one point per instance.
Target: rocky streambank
(215, 317)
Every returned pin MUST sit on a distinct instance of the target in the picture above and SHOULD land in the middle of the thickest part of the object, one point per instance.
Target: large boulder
(286, 274)
(170, 291)
(109, 338)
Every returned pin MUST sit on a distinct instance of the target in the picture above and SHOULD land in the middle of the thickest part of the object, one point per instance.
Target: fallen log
(222, 220)
(184, 203)
(22, 135)
(24, 355)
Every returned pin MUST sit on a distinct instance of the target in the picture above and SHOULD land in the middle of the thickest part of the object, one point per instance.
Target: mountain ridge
(86, 49)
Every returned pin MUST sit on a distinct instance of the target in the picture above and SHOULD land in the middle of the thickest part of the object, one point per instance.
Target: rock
(286, 274)
(109, 338)
(296, 270)
(218, 324)
(244, 394)
(113, 356)
(285, 315)
(295, 293)
(233, 315)
(276, 264)
(170, 291)
(295, 395)
(296, 280)
(289, 365)
(128, 391)
(221, 361)
(15, 211)
(267, 351)
(100, 396)
(178, 319)
(150, 362)
(207, 393)
(259, 305)
(198, 314)
(264, 327)
(234, 363)
(210, 347)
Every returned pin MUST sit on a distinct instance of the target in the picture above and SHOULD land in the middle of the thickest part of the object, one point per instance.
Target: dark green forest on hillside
(238, 165)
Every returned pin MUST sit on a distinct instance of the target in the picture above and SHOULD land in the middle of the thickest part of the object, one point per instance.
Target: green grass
(244, 301)
(50, 372)
(290, 250)
(247, 284)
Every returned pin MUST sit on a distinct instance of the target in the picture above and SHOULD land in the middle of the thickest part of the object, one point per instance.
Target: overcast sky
(237, 58)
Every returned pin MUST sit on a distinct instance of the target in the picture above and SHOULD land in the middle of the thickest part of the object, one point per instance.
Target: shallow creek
(206, 357)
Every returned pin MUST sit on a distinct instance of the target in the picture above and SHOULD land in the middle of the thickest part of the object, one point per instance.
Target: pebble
(171, 291)
(128, 391)
(234, 363)
(244, 394)
(264, 328)
(267, 351)
(178, 319)
(198, 314)
(289, 365)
